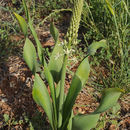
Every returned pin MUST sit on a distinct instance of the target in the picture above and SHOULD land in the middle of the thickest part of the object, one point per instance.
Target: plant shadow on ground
(16, 96)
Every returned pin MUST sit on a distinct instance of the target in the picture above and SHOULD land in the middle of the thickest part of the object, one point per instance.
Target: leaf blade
(96, 45)
(109, 98)
(42, 98)
(85, 122)
(29, 54)
(57, 56)
(78, 82)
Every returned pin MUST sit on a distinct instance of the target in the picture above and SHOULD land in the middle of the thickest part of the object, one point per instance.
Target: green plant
(10, 121)
(8, 31)
(57, 105)
(109, 19)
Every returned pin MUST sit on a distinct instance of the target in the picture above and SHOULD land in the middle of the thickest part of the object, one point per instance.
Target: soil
(16, 82)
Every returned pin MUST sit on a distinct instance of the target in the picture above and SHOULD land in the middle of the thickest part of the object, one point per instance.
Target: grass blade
(26, 9)
(110, 7)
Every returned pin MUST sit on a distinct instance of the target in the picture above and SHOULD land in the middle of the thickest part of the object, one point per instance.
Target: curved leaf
(96, 45)
(85, 122)
(29, 54)
(109, 99)
(22, 23)
(78, 82)
(57, 56)
(42, 98)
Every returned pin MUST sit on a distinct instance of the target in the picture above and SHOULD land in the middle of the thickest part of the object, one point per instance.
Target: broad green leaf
(22, 23)
(109, 99)
(56, 59)
(78, 82)
(85, 122)
(62, 95)
(42, 98)
(29, 54)
(96, 45)
(54, 32)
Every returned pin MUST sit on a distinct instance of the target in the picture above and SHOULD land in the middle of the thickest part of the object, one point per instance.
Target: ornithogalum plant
(58, 105)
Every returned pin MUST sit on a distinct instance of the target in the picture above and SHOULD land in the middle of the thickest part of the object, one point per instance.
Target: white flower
(58, 55)
(74, 59)
(61, 44)
(68, 51)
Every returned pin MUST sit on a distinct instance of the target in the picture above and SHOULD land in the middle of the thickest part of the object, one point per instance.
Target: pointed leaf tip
(96, 45)
(22, 23)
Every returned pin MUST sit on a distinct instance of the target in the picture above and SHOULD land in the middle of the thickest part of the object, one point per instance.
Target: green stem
(39, 46)
(52, 14)
(62, 83)
(53, 92)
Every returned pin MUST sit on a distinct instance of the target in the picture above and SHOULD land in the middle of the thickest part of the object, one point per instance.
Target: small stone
(69, 76)
(80, 110)
(11, 85)
(4, 100)
(112, 127)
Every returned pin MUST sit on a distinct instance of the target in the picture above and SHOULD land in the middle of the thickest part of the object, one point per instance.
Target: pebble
(4, 100)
